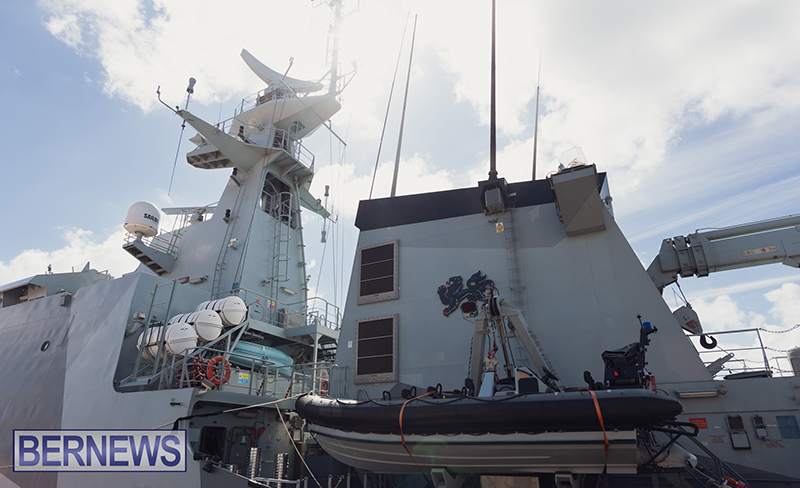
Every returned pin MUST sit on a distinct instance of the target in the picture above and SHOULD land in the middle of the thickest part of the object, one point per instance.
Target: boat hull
(574, 411)
(548, 452)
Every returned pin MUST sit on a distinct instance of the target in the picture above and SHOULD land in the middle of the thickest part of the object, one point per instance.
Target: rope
(403, 438)
(295, 447)
(779, 331)
(175, 423)
(605, 438)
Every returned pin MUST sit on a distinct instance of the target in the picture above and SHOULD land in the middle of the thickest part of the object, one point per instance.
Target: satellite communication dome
(143, 219)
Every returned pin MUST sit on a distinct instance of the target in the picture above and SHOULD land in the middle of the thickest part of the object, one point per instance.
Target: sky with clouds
(691, 108)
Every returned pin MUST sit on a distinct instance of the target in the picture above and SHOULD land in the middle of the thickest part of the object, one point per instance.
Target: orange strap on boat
(402, 437)
(605, 437)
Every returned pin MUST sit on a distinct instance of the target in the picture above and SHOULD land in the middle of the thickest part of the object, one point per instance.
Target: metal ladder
(220, 266)
(150, 321)
(515, 278)
(280, 247)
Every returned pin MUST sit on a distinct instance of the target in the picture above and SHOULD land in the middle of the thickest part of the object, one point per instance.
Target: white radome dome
(143, 219)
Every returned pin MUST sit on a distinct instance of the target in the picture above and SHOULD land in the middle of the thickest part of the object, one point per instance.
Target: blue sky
(692, 109)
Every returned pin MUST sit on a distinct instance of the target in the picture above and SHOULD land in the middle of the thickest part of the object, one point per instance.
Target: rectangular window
(377, 273)
(787, 424)
(375, 350)
(739, 437)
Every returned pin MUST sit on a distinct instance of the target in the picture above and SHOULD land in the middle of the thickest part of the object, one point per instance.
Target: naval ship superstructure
(540, 270)
(552, 250)
(215, 333)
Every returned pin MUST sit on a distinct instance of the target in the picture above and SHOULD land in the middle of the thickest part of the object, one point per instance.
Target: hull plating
(576, 452)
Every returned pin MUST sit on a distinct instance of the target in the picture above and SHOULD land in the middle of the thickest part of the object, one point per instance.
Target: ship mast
(492, 123)
(336, 6)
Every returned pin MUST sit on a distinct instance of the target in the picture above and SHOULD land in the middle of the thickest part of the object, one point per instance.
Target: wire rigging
(389, 104)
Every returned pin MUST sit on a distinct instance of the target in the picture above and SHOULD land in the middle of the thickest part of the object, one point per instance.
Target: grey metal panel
(583, 294)
(32, 383)
(578, 200)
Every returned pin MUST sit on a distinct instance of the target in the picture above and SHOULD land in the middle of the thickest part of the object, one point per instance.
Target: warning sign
(701, 422)
(761, 250)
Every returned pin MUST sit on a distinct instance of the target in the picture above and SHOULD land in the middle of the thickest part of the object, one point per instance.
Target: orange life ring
(211, 371)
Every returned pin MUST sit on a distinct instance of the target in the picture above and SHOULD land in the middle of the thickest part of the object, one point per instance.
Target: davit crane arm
(492, 318)
(739, 246)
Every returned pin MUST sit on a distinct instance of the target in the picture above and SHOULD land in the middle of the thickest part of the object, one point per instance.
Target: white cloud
(723, 313)
(623, 81)
(82, 247)
(415, 175)
(785, 304)
(65, 28)
(166, 43)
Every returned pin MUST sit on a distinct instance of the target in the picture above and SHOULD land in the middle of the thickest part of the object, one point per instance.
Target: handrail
(764, 359)
(158, 242)
(299, 377)
(320, 311)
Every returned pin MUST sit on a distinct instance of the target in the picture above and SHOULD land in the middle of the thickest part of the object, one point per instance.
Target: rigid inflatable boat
(528, 433)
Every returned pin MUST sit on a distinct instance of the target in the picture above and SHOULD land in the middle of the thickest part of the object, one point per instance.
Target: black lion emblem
(451, 293)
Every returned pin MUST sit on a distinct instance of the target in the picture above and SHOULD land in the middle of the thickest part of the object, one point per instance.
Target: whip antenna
(403, 116)
(189, 92)
(536, 118)
(492, 123)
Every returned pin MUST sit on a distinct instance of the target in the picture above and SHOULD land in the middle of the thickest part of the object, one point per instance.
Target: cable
(402, 437)
(188, 417)
(295, 447)
(389, 104)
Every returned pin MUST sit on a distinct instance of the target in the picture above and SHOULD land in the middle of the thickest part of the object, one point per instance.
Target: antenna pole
(189, 93)
(492, 123)
(403, 117)
(337, 19)
(536, 118)
(389, 104)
